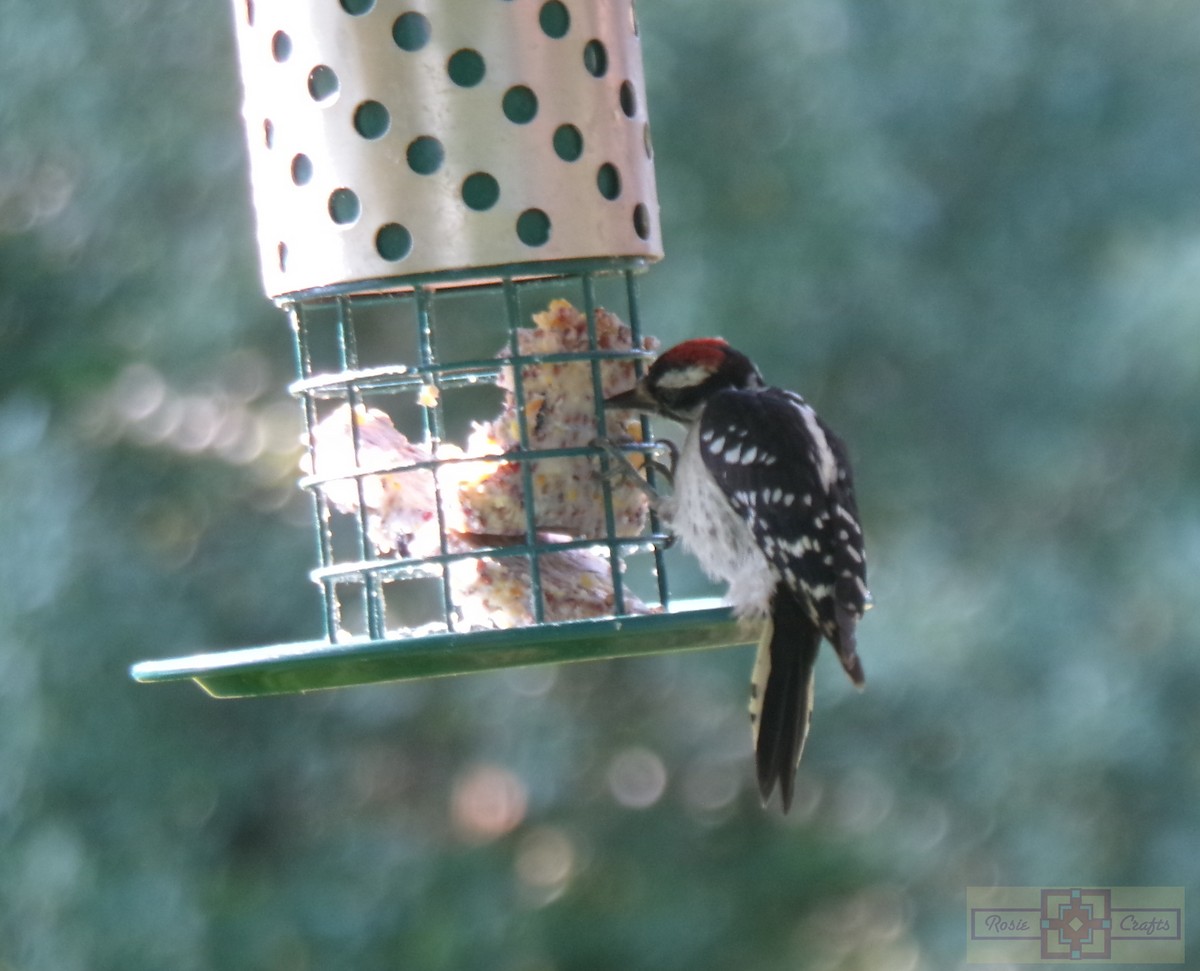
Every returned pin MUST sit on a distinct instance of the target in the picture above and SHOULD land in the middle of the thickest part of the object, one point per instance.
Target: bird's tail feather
(781, 694)
(845, 645)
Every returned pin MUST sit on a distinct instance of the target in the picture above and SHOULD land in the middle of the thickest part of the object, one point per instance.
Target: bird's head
(682, 379)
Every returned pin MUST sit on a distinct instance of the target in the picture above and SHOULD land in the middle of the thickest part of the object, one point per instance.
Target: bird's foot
(618, 467)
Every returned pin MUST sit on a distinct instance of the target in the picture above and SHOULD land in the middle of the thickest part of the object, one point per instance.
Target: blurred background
(969, 234)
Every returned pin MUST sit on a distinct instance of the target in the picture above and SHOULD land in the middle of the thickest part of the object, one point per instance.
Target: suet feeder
(454, 202)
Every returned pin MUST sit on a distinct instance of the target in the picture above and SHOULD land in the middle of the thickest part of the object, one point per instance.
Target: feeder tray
(453, 208)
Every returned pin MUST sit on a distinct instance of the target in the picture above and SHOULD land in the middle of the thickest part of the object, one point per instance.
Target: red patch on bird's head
(708, 353)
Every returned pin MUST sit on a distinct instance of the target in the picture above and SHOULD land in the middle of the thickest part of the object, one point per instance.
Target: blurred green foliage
(970, 233)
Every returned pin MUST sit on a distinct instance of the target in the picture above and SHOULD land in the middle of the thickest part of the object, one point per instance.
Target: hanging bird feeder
(454, 202)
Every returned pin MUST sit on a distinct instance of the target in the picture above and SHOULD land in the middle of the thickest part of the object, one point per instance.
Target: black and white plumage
(764, 499)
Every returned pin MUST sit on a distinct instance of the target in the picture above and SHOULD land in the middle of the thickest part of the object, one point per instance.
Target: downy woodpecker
(763, 497)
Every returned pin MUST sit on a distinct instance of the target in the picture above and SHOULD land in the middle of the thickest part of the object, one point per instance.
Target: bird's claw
(673, 452)
(619, 467)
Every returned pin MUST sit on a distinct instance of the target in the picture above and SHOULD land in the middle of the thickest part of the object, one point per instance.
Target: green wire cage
(454, 203)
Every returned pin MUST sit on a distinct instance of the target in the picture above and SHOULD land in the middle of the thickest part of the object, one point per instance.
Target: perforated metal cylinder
(400, 139)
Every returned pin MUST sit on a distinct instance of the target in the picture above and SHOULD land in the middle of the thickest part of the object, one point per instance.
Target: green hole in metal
(372, 120)
(323, 84)
(646, 143)
(520, 104)
(281, 46)
(480, 191)
(641, 221)
(533, 227)
(425, 155)
(344, 206)
(628, 98)
(356, 8)
(595, 58)
(411, 31)
(302, 169)
(466, 67)
(393, 242)
(554, 19)
(568, 142)
(608, 181)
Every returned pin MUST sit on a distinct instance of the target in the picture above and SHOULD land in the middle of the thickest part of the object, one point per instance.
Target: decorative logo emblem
(1076, 925)
(1041, 925)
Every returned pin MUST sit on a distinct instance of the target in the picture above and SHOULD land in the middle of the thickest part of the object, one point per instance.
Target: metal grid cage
(345, 349)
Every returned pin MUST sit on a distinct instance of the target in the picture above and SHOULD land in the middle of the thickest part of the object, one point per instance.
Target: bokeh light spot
(487, 802)
(637, 778)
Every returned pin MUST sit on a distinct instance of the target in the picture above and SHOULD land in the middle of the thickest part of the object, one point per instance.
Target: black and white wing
(789, 477)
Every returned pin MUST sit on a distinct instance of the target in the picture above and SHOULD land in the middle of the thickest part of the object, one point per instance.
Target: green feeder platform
(426, 182)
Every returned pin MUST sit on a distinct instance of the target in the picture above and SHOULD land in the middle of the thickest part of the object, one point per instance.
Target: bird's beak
(636, 398)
